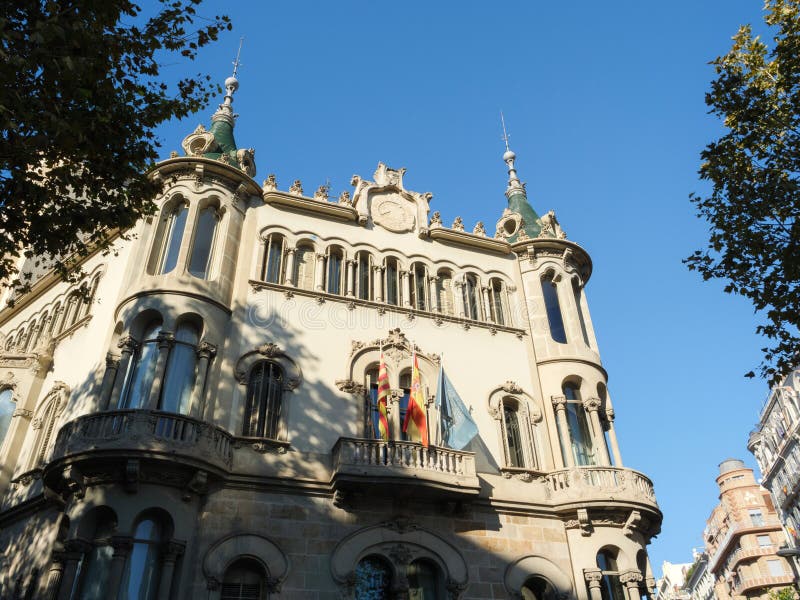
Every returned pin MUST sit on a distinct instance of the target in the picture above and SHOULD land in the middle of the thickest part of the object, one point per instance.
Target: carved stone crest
(393, 212)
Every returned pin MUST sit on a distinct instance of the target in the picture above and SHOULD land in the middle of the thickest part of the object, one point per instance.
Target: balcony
(403, 469)
(744, 554)
(735, 529)
(166, 442)
(743, 586)
(584, 484)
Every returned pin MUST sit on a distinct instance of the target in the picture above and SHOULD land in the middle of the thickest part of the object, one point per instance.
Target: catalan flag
(383, 396)
(416, 423)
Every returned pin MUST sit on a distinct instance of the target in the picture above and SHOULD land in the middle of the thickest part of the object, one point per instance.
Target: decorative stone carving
(458, 224)
(206, 350)
(511, 387)
(385, 176)
(401, 524)
(592, 404)
(199, 142)
(593, 577)
(585, 522)
(344, 199)
(399, 553)
(269, 350)
(350, 387)
(523, 235)
(25, 414)
(273, 352)
(270, 183)
(393, 212)
(296, 188)
(632, 525)
(479, 229)
(631, 577)
(246, 160)
(436, 220)
(559, 402)
(550, 226)
(322, 193)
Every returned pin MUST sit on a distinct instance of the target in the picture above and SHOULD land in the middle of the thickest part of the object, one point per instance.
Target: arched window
(364, 283)
(405, 385)
(88, 300)
(244, 580)
(27, 340)
(181, 370)
(42, 447)
(40, 329)
(425, 581)
(169, 243)
(95, 569)
(71, 311)
(471, 297)
(51, 331)
(373, 579)
(392, 281)
(576, 289)
(334, 273)
(538, 588)
(515, 454)
(580, 435)
(304, 267)
(262, 411)
(553, 309)
(419, 287)
(371, 422)
(143, 369)
(143, 566)
(610, 587)
(602, 394)
(205, 233)
(497, 301)
(7, 406)
(273, 268)
(444, 292)
(9, 342)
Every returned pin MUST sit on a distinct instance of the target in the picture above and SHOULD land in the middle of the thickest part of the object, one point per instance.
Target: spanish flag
(415, 423)
(383, 395)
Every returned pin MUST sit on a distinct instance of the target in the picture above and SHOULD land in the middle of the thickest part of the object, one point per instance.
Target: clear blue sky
(604, 103)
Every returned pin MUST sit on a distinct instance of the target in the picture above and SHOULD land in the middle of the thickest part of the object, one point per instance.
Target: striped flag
(416, 424)
(383, 396)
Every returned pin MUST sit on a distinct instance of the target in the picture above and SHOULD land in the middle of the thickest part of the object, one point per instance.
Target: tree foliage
(754, 203)
(81, 98)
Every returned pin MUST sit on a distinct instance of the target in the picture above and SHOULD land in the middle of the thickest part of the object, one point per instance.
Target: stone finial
(458, 225)
(436, 219)
(270, 183)
(297, 188)
(550, 226)
(174, 154)
(322, 193)
(479, 229)
(344, 199)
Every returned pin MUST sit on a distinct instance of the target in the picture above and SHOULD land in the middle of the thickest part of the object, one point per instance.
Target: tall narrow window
(371, 429)
(7, 406)
(88, 300)
(471, 300)
(405, 385)
(496, 298)
(610, 587)
(425, 581)
(273, 268)
(181, 370)
(95, 569)
(205, 233)
(373, 579)
(171, 239)
(419, 288)
(41, 451)
(392, 282)
(578, 295)
(244, 580)
(71, 312)
(263, 405)
(444, 291)
(580, 436)
(143, 567)
(516, 456)
(143, 369)
(304, 268)
(553, 308)
(334, 273)
(51, 331)
(364, 280)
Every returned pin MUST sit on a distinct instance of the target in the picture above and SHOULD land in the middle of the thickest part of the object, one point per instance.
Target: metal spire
(508, 158)
(236, 63)
(505, 135)
(225, 110)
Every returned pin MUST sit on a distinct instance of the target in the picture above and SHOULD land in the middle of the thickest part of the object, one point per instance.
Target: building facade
(671, 584)
(197, 419)
(742, 536)
(699, 583)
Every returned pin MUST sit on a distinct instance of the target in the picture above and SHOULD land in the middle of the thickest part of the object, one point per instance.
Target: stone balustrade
(600, 483)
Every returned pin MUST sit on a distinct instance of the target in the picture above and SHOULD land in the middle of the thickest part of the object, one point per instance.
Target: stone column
(205, 352)
(592, 406)
(319, 273)
(434, 306)
(165, 341)
(122, 548)
(394, 409)
(560, 406)
(458, 299)
(112, 367)
(487, 307)
(377, 276)
(169, 555)
(631, 580)
(405, 285)
(74, 550)
(288, 273)
(128, 347)
(351, 270)
(593, 578)
(54, 575)
(612, 437)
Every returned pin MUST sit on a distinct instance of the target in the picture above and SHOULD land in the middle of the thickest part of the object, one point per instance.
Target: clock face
(393, 212)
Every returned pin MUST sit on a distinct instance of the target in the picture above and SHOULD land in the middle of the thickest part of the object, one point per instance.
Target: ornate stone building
(742, 536)
(196, 419)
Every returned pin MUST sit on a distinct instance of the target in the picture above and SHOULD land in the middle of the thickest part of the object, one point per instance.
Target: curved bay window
(553, 309)
(364, 285)
(304, 268)
(472, 306)
(419, 289)
(181, 371)
(444, 292)
(610, 586)
(425, 581)
(515, 455)
(497, 302)
(273, 267)
(392, 286)
(169, 240)
(244, 580)
(143, 566)
(373, 579)
(205, 233)
(263, 405)
(334, 272)
(580, 433)
(143, 369)
(7, 406)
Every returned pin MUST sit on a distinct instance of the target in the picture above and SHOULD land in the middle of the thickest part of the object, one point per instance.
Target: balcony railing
(736, 528)
(359, 462)
(587, 483)
(745, 585)
(747, 553)
(146, 431)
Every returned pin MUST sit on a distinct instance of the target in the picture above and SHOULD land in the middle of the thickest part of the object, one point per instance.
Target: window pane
(334, 272)
(444, 288)
(497, 303)
(578, 295)
(274, 259)
(95, 573)
(423, 581)
(173, 234)
(181, 373)
(373, 579)
(140, 579)
(775, 568)
(263, 404)
(200, 262)
(513, 437)
(143, 370)
(419, 288)
(471, 304)
(304, 268)
(553, 309)
(391, 282)
(7, 407)
(580, 435)
(364, 287)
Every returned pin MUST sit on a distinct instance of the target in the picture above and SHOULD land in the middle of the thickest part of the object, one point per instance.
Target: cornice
(340, 212)
(462, 238)
(209, 167)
